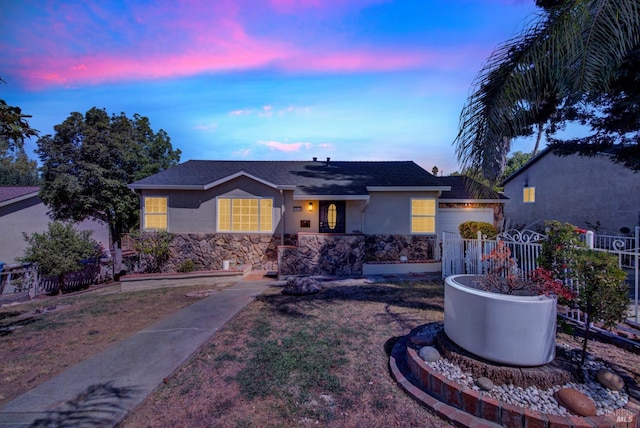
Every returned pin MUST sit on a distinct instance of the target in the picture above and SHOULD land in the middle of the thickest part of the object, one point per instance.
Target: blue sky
(257, 80)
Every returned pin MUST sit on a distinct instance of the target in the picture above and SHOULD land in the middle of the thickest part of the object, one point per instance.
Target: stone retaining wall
(329, 254)
(209, 250)
(302, 254)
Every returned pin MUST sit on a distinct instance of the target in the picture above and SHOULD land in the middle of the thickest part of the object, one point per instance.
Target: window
(423, 215)
(529, 194)
(245, 215)
(332, 216)
(155, 213)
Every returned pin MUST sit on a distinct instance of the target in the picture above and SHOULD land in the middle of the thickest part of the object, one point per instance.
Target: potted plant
(501, 316)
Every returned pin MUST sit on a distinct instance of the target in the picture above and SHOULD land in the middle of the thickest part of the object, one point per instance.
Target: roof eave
(408, 188)
(18, 199)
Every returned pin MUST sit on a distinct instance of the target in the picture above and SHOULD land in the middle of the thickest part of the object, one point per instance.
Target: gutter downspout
(282, 217)
(366, 205)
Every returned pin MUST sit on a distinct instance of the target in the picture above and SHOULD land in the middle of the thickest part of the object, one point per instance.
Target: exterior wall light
(310, 206)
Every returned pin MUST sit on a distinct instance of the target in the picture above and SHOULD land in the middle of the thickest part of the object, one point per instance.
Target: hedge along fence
(26, 278)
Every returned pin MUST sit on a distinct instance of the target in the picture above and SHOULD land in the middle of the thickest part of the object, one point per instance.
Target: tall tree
(88, 163)
(576, 48)
(15, 166)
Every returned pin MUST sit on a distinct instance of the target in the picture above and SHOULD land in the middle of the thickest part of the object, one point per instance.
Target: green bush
(469, 229)
(154, 247)
(60, 250)
(187, 266)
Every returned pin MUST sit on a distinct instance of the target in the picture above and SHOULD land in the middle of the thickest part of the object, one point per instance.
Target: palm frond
(573, 50)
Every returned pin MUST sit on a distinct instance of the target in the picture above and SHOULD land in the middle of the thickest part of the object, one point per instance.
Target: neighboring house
(297, 217)
(589, 192)
(22, 211)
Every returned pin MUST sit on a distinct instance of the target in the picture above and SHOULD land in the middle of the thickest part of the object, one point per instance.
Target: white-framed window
(423, 215)
(155, 213)
(529, 195)
(245, 215)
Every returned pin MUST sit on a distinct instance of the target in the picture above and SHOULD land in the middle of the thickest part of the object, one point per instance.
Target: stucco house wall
(390, 212)
(576, 189)
(30, 216)
(377, 212)
(194, 211)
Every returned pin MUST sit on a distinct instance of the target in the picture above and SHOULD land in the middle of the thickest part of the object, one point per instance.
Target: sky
(261, 79)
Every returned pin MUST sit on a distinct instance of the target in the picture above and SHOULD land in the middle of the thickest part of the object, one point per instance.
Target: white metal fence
(464, 256)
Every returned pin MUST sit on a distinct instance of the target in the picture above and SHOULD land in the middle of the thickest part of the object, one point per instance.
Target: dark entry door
(332, 216)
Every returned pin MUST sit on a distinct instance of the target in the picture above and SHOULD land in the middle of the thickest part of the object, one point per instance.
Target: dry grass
(317, 360)
(283, 361)
(40, 339)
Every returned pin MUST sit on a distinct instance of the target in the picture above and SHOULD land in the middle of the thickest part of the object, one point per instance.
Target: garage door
(450, 218)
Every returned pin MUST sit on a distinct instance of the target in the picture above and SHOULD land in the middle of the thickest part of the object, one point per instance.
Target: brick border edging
(466, 407)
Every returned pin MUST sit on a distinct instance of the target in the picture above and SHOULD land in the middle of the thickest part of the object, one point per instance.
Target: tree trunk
(537, 146)
(585, 341)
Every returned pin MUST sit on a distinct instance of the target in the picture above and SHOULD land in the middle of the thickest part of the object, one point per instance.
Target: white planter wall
(506, 329)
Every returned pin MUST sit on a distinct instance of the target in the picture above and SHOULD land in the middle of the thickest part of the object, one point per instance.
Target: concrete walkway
(100, 391)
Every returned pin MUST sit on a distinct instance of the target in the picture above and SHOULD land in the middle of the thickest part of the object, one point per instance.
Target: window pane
(332, 216)
(423, 207)
(245, 215)
(224, 215)
(155, 213)
(529, 194)
(266, 215)
(423, 215)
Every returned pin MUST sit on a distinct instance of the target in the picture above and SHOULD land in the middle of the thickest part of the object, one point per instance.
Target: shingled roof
(10, 193)
(313, 178)
(464, 188)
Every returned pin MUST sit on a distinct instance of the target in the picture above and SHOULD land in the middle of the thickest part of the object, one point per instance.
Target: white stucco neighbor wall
(576, 189)
(30, 216)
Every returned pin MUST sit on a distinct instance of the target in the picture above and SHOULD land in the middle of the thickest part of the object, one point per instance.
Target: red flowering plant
(546, 284)
(502, 273)
(503, 276)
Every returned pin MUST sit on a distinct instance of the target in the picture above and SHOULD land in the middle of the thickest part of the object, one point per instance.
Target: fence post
(637, 269)
(479, 255)
(589, 238)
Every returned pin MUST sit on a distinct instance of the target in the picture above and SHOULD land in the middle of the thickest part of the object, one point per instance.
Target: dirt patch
(42, 338)
(315, 360)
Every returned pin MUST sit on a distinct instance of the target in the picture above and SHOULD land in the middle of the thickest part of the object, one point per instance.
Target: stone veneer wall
(209, 250)
(302, 254)
(329, 254)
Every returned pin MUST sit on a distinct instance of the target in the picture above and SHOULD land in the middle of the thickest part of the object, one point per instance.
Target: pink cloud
(285, 147)
(77, 44)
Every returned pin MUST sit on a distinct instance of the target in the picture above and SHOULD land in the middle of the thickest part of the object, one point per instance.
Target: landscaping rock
(429, 354)
(609, 379)
(576, 402)
(485, 383)
(422, 340)
(297, 286)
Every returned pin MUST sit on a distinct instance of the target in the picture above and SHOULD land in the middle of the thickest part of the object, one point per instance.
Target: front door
(332, 216)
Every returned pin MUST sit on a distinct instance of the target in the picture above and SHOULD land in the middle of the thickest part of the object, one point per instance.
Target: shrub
(469, 229)
(598, 283)
(60, 250)
(603, 294)
(187, 266)
(154, 246)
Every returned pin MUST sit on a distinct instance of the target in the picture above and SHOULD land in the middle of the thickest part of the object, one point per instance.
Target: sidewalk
(101, 391)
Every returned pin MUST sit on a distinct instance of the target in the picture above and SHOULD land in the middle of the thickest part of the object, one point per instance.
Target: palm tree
(572, 49)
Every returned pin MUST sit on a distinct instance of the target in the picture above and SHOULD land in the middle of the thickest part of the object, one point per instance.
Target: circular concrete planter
(506, 329)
